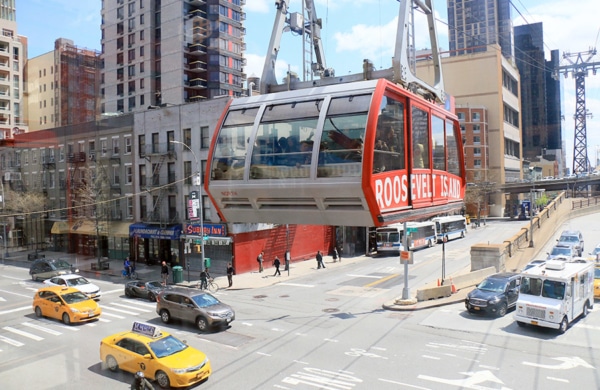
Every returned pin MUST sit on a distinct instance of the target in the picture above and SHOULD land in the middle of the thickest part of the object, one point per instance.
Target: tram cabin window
(438, 150)
(389, 137)
(420, 133)
(341, 145)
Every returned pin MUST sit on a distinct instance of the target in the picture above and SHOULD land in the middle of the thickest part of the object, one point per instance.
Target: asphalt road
(320, 330)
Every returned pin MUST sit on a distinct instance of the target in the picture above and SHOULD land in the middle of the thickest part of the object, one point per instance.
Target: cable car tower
(403, 70)
(579, 66)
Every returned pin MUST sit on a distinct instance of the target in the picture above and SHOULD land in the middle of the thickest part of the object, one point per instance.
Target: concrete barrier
(470, 279)
(434, 293)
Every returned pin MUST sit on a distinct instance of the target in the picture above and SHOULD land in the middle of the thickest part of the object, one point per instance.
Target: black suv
(495, 295)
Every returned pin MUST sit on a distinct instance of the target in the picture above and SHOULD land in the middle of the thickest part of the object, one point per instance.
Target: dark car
(191, 305)
(495, 295)
(42, 269)
(148, 290)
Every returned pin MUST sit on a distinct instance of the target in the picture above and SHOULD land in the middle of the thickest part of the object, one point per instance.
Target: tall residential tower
(170, 52)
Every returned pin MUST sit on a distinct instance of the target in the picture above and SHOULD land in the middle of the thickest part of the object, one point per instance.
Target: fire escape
(160, 185)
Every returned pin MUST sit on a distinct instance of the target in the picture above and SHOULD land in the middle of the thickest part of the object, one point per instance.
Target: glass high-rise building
(474, 24)
(540, 93)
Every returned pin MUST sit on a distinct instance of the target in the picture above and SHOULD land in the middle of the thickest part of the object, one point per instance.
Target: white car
(76, 281)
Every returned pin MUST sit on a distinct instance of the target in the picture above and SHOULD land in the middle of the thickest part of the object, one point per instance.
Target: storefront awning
(142, 230)
(89, 228)
(60, 227)
(118, 229)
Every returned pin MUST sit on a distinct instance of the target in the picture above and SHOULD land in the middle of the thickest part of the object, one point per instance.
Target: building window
(128, 174)
(205, 137)
(187, 137)
(129, 207)
(476, 116)
(115, 146)
(476, 128)
(187, 172)
(461, 116)
(142, 175)
(127, 145)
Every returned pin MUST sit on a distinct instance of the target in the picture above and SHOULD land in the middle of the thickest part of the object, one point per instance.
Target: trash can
(177, 274)
(206, 262)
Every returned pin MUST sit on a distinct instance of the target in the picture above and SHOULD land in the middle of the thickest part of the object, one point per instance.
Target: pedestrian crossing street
(34, 330)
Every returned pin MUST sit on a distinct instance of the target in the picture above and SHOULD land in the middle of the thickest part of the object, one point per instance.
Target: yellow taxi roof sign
(146, 329)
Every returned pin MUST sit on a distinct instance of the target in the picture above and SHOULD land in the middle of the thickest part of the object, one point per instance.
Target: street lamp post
(200, 205)
(531, 218)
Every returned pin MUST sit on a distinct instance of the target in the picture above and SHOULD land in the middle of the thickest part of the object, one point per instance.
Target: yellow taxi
(597, 280)
(66, 304)
(159, 355)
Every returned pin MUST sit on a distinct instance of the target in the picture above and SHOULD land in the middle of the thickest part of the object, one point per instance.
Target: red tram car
(367, 153)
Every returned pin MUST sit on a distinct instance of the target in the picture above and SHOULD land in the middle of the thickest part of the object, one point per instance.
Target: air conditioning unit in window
(92, 157)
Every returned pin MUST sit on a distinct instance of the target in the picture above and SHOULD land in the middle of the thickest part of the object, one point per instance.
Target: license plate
(476, 308)
(90, 314)
(534, 322)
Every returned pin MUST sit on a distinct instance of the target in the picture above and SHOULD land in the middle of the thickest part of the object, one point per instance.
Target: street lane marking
(23, 333)
(129, 307)
(104, 313)
(34, 326)
(403, 384)
(557, 379)
(112, 291)
(296, 284)
(15, 310)
(375, 283)
(120, 311)
(430, 357)
(144, 304)
(17, 294)
(364, 276)
(59, 324)
(11, 341)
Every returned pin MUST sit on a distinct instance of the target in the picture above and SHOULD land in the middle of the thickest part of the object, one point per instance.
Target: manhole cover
(331, 310)
(260, 296)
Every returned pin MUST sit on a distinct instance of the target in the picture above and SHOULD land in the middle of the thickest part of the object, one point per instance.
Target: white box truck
(554, 294)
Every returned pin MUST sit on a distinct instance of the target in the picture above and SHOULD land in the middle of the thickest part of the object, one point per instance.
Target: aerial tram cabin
(365, 153)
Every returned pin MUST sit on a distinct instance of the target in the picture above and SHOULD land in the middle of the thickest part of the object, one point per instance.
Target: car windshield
(74, 297)
(561, 251)
(553, 289)
(597, 273)
(569, 239)
(492, 285)
(77, 281)
(61, 264)
(167, 346)
(205, 300)
(156, 284)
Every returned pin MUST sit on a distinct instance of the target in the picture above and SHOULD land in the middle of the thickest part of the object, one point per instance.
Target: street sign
(411, 230)
(406, 257)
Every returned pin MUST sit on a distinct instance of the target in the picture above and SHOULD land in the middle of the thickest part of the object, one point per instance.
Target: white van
(552, 295)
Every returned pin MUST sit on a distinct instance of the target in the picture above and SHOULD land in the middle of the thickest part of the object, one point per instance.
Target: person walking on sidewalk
(230, 272)
(260, 261)
(277, 263)
(320, 260)
(164, 273)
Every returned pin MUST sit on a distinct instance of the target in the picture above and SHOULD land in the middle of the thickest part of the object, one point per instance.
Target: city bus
(390, 238)
(449, 227)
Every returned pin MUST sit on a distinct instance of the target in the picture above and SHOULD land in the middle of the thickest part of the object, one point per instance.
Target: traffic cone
(453, 286)
(438, 283)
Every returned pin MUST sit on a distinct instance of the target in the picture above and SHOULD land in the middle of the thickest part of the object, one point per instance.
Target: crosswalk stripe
(59, 324)
(47, 330)
(11, 341)
(105, 313)
(23, 333)
(15, 310)
(103, 320)
(149, 305)
(2, 299)
(118, 310)
(129, 307)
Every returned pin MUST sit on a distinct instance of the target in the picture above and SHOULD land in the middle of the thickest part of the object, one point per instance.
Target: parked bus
(554, 294)
(452, 226)
(390, 238)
